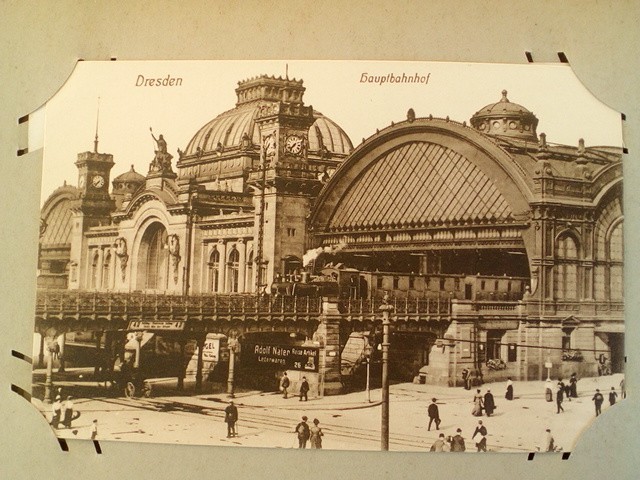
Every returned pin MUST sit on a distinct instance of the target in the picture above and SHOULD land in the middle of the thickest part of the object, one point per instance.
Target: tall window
(615, 263)
(566, 270)
(106, 271)
(249, 274)
(155, 255)
(233, 268)
(494, 339)
(94, 272)
(214, 271)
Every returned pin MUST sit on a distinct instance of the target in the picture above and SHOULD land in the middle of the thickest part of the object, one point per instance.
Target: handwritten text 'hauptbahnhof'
(394, 78)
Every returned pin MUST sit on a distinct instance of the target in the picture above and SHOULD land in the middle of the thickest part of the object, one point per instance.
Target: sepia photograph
(344, 255)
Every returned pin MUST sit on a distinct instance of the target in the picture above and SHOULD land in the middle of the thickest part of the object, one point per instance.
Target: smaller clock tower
(92, 208)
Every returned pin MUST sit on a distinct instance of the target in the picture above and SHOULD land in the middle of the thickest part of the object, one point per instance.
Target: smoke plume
(312, 254)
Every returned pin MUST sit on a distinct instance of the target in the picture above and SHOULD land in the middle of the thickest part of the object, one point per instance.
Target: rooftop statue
(162, 160)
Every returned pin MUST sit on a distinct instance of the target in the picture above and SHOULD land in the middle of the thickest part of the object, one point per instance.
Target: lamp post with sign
(233, 345)
(368, 351)
(386, 309)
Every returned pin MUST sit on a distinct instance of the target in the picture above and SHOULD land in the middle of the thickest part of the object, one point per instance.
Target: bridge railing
(401, 306)
(79, 302)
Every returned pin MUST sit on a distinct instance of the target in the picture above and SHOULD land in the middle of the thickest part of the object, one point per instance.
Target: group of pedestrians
(456, 443)
(483, 403)
(285, 383)
(312, 434)
(63, 412)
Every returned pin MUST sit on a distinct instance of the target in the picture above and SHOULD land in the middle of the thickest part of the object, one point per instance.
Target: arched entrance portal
(153, 260)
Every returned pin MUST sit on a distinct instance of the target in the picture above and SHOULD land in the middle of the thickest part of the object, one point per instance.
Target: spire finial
(286, 74)
(95, 141)
(504, 96)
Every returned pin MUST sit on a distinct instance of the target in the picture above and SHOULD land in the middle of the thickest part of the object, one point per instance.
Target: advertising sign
(286, 357)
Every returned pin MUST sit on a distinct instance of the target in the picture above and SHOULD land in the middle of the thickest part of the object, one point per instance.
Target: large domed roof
(228, 128)
(506, 119)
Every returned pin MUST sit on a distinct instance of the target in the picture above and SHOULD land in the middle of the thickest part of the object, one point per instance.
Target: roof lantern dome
(128, 181)
(506, 119)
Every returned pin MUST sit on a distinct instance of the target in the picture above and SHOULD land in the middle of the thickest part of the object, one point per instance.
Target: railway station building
(520, 238)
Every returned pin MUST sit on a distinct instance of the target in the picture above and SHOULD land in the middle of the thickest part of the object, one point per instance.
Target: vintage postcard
(404, 256)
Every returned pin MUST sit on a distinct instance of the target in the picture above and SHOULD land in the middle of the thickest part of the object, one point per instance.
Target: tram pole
(385, 308)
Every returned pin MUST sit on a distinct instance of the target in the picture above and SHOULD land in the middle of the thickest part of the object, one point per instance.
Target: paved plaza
(348, 421)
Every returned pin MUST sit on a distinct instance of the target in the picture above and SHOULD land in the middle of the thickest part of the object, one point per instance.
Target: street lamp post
(233, 345)
(368, 350)
(385, 308)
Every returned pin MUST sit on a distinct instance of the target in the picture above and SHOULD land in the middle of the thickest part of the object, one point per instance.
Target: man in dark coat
(457, 442)
(489, 403)
(304, 389)
(434, 414)
(303, 432)
(231, 417)
(482, 430)
(560, 396)
(598, 399)
(466, 377)
(284, 384)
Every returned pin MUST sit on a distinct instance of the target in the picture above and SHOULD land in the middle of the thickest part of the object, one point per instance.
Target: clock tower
(284, 182)
(92, 208)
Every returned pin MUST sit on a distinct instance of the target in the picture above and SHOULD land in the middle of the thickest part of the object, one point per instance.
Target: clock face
(97, 181)
(294, 144)
(269, 145)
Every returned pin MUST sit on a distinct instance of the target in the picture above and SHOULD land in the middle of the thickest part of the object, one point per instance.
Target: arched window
(248, 278)
(615, 250)
(233, 269)
(153, 261)
(566, 269)
(93, 280)
(214, 271)
(106, 271)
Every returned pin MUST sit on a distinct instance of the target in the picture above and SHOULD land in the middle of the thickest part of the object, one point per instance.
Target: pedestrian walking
(56, 409)
(457, 442)
(477, 404)
(509, 394)
(439, 445)
(547, 444)
(623, 390)
(489, 403)
(466, 378)
(560, 397)
(482, 430)
(612, 396)
(303, 432)
(573, 384)
(69, 415)
(94, 429)
(304, 389)
(284, 384)
(598, 399)
(434, 414)
(230, 418)
(315, 434)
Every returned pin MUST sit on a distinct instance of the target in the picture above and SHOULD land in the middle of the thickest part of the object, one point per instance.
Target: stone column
(242, 268)
(222, 266)
(62, 342)
(199, 363)
(329, 329)
(181, 366)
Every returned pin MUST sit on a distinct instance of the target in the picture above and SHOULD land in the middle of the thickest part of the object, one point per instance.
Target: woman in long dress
(509, 394)
(316, 434)
(477, 404)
